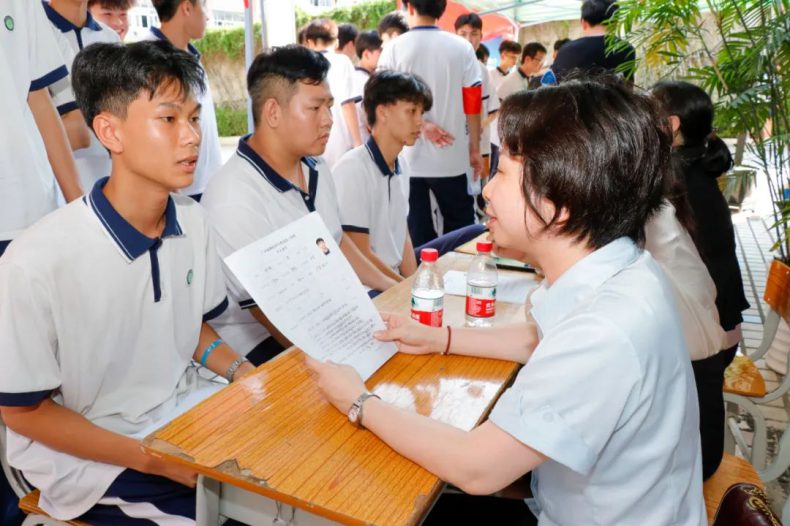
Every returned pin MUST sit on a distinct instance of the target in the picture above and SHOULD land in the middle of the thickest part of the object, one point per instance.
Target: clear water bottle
(427, 292)
(481, 281)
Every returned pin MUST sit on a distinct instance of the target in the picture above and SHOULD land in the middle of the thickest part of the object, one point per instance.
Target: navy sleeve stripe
(23, 399)
(492, 111)
(352, 99)
(478, 83)
(485, 98)
(216, 311)
(49, 79)
(63, 109)
(247, 304)
(357, 229)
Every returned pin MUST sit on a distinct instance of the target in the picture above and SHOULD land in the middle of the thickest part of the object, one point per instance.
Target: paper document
(305, 286)
(509, 289)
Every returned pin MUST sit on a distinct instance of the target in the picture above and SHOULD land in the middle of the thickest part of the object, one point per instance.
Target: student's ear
(563, 217)
(674, 121)
(272, 112)
(107, 130)
(382, 114)
(186, 7)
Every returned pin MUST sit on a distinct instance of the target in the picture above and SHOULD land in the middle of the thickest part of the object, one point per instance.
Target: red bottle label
(430, 318)
(480, 300)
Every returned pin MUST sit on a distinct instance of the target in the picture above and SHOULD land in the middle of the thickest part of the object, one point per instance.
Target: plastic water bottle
(481, 281)
(427, 292)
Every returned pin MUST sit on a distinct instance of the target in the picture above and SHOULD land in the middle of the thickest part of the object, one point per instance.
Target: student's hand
(341, 384)
(412, 337)
(437, 135)
(476, 161)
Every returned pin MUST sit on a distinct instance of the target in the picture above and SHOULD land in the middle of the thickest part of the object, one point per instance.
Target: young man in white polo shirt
(74, 23)
(35, 154)
(274, 179)
(96, 338)
(532, 56)
(447, 63)
(183, 21)
(320, 35)
(373, 202)
(368, 49)
(470, 27)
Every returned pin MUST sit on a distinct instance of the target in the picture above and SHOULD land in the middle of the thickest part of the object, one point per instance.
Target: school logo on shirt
(9, 23)
(189, 277)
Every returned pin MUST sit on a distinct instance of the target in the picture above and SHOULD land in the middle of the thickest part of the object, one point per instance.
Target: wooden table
(273, 434)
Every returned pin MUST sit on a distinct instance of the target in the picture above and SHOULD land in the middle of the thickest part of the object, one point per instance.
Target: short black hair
(594, 148)
(108, 77)
(561, 42)
(531, 50)
(112, 4)
(482, 53)
(596, 12)
(281, 68)
(320, 30)
(367, 41)
(390, 86)
(346, 33)
(469, 19)
(431, 8)
(166, 9)
(509, 46)
(394, 22)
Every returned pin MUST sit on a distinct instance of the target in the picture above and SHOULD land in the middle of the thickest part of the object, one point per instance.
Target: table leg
(207, 501)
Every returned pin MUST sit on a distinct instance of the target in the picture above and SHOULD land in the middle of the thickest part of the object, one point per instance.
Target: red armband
(473, 99)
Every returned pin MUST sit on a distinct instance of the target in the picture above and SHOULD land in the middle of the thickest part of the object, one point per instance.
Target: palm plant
(739, 52)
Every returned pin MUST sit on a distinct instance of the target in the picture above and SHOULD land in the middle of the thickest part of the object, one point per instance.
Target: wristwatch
(234, 367)
(355, 412)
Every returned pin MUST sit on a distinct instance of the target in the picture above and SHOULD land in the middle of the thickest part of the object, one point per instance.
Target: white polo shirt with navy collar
(92, 162)
(372, 200)
(608, 396)
(247, 200)
(105, 321)
(30, 61)
(341, 83)
(447, 63)
(210, 153)
(361, 76)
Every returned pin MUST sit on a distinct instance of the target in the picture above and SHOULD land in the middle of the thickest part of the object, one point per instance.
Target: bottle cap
(429, 254)
(485, 246)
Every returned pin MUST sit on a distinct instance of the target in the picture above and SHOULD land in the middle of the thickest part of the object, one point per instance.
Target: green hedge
(231, 120)
(230, 42)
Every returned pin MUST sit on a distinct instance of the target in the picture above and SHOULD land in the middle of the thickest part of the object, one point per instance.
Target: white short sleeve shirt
(341, 82)
(608, 395)
(29, 50)
(210, 153)
(105, 321)
(361, 76)
(247, 200)
(671, 245)
(490, 105)
(372, 201)
(447, 63)
(92, 162)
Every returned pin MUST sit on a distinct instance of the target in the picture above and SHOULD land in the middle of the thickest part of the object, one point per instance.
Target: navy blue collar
(363, 70)
(378, 158)
(131, 241)
(161, 36)
(282, 184)
(521, 73)
(65, 25)
(423, 28)
(500, 71)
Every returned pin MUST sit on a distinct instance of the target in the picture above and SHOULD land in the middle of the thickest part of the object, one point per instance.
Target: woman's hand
(341, 384)
(175, 472)
(412, 337)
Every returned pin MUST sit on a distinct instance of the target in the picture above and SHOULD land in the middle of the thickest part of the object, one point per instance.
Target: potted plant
(739, 52)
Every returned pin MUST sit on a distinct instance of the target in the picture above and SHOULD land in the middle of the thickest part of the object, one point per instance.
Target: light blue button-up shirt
(608, 395)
